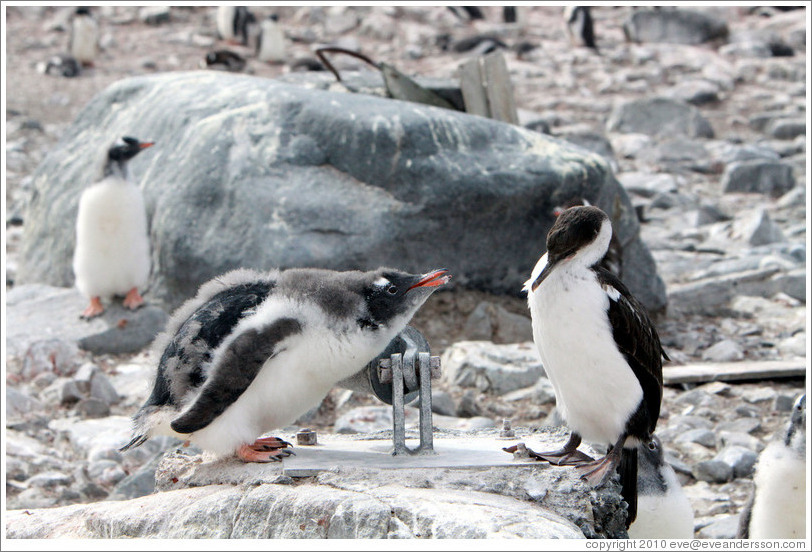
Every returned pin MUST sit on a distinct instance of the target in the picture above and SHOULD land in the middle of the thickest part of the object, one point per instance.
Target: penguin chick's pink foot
(133, 300)
(267, 449)
(93, 310)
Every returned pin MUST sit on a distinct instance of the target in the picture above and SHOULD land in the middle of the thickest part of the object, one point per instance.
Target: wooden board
(734, 371)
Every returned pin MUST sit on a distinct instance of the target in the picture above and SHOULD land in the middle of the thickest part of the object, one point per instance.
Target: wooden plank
(473, 91)
(499, 89)
(734, 371)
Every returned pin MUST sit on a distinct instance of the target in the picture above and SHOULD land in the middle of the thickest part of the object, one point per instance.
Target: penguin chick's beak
(432, 279)
(145, 145)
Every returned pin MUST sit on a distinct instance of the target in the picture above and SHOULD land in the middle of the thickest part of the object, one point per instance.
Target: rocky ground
(731, 246)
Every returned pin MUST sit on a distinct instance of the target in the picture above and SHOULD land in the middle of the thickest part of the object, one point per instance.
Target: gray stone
(712, 471)
(93, 408)
(648, 185)
(65, 391)
(748, 49)
(695, 92)
(771, 178)
(739, 439)
(19, 404)
(710, 295)
(726, 527)
(49, 479)
(49, 355)
(726, 350)
(742, 460)
(140, 483)
(783, 402)
(103, 390)
(679, 153)
(84, 376)
(704, 437)
(659, 117)
(541, 393)
(742, 425)
(709, 214)
(138, 331)
(497, 369)
(793, 283)
(757, 228)
(442, 403)
(697, 397)
(786, 129)
(760, 121)
(673, 26)
(492, 322)
(759, 395)
(320, 181)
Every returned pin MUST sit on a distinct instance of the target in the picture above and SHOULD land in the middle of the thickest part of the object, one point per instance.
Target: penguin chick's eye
(392, 290)
(652, 445)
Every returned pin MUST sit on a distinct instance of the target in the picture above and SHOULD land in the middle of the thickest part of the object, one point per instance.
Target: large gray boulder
(659, 117)
(673, 26)
(252, 172)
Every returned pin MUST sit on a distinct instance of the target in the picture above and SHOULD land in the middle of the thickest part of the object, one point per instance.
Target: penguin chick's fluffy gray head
(795, 437)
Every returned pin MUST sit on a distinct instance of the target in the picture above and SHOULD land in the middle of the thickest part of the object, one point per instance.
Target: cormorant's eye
(392, 290)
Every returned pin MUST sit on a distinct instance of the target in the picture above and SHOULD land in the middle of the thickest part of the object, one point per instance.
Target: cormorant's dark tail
(137, 441)
(628, 481)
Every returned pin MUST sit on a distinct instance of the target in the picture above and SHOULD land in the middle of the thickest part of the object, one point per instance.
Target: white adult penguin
(777, 507)
(251, 352)
(271, 41)
(112, 246)
(83, 44)
(599, 348)
(233, 23)
(663, 509)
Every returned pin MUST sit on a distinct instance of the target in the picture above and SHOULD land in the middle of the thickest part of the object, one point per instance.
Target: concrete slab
(335, 451)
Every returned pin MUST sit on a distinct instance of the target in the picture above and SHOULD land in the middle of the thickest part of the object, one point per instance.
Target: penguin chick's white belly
(84, 40)
(779, 509)
(596, 390)
(290, 383)
(112, 246)
(664, 516)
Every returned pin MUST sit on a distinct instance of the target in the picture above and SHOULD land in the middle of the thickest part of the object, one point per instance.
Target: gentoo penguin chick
(777, 508)
(613, 260)
(663, 510)
(224, 60)
(271, 41)
(233, 22)
(580, 27)
(83, 44)
(64, 65)
(598, 347)
(251, 352)
(112, 247)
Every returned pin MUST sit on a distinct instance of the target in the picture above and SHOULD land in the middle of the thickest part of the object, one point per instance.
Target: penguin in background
(580, 26)
(252, 351)
(112, 246)
(270, 46)
(777, 507)
(599, 348)
(663, 509)
(64, 65)
(223, 60)
(83, 43)
(233, 23)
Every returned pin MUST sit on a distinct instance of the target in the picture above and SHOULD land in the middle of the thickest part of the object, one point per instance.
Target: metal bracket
(400, 369)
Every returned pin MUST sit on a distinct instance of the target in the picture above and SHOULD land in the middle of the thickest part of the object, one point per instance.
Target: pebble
(712, 471)
(704, 437)
(741, 459)
(726, 350)
(772, 178)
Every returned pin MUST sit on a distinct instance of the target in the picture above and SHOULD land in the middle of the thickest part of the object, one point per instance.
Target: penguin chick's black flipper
(628, 481)
(234, 372)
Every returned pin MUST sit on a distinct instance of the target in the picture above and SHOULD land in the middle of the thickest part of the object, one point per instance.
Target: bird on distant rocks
(663, 510)
(599, 348)
(270, 46)
(83, 43)
(580, 26)
(251, 352)
(777, 507)
(224, 60)
(64, 65)
(233, 24)
(112, 246)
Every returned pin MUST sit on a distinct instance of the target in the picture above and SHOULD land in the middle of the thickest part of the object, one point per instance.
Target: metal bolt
(507, 431)
(521, 452)
(306, 437)
(436, 371)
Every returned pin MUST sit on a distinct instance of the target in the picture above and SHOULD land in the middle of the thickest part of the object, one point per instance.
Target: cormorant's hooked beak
(145, 145)
(432, 279)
